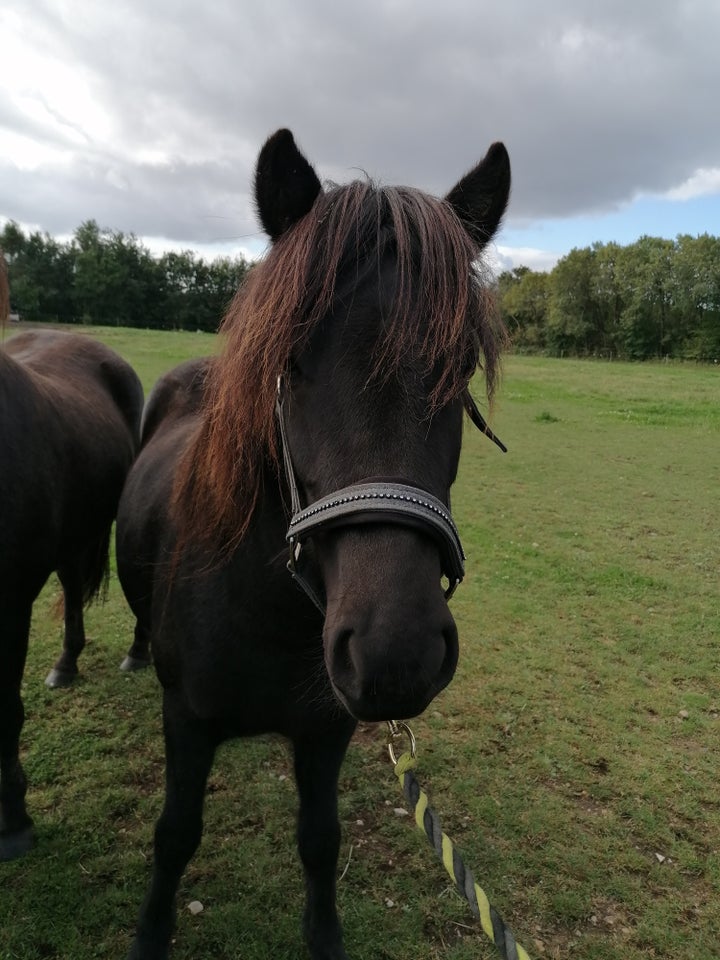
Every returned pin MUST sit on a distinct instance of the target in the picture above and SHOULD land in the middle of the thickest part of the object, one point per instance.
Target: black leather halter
(373, 501)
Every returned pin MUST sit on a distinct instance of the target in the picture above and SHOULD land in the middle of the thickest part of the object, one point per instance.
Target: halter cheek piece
(373, 501)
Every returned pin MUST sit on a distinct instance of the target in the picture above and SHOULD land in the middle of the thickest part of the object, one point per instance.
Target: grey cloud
(188, 204)
(596, 102)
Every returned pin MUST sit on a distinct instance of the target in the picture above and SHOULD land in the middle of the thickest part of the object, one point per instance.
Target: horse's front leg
(189, 752)
(317, 767)
(65, 669)
(16, 829)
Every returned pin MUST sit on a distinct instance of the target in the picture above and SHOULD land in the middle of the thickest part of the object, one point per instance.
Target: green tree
(91, 294)
(198, 293)
(179, 273)
(225, 275)
(524, 305)
(13, 240)
(41, 275)
(117, 281)
(608, 295)
(573, 318)
(108, 277)
(697, 294)
(649, 325)
(655, 297)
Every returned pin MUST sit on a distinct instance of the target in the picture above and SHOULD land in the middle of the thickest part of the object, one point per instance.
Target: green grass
(573, 759)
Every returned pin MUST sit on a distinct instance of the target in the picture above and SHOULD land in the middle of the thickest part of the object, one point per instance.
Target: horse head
(371, 311)
(373, 394)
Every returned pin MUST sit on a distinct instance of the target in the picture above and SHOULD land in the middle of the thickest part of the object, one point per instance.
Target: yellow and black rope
(427, 820)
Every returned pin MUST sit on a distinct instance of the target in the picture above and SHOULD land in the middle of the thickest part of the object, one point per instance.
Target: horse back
(177, 394)
(59, 363)
(69, 430)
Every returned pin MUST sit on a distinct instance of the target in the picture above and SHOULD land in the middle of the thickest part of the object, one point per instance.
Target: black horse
(69, 430)
(341, 386)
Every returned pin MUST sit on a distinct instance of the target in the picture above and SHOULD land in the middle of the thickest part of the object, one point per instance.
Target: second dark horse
(348, 357)
(69, 430)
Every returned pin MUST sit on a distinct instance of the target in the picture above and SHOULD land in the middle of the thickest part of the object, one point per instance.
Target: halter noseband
(373, 501)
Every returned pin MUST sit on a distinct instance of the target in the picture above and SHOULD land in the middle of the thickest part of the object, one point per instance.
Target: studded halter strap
(372, 501)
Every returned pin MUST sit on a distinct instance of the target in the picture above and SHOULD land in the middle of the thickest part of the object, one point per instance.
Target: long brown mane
(287, 294)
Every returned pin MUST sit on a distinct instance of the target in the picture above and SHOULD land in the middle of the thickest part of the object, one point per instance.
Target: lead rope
(428, 822)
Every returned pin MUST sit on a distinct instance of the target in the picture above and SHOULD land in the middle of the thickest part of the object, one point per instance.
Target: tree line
(653, 298)
(106, 277)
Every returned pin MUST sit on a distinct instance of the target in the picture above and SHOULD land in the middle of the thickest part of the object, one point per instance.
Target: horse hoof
(130, 664)
(14, 845)
(59, 678)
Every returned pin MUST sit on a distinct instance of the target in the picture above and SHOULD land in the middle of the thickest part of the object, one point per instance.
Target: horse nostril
(341, 652)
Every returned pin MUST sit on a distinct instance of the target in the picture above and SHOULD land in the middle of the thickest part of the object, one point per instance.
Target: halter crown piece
(372, 501)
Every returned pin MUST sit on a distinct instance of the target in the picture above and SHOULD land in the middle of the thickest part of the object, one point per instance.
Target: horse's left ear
(286, 185)
(480, 198)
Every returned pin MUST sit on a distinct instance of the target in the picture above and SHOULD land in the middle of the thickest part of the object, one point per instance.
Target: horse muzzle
(390, 641)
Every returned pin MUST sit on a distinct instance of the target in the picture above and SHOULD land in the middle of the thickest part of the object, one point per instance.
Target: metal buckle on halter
(292, 556)
(452, 587)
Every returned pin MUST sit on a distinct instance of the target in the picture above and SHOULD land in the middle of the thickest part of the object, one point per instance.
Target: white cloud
(705, 182)
(209, 251)
(507, 258)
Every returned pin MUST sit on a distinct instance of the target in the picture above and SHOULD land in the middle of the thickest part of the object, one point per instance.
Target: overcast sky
(147, 115)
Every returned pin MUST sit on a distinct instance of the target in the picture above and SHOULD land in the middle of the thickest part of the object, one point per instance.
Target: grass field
(573, 760)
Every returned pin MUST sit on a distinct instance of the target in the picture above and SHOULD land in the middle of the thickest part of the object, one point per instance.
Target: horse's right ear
(480, 198)
(286, 185)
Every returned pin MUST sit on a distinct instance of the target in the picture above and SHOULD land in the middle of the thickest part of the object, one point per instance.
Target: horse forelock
(441, 313)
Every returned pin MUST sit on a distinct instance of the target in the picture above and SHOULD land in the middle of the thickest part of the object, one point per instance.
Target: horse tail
(95, 569)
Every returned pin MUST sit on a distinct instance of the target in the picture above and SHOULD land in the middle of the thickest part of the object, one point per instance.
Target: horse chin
(375, 710)
(374, 691)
